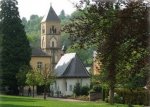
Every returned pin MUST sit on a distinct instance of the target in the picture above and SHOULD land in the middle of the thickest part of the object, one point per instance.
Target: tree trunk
(111, 85)
(103, 94)
(45, 92)
(23, 91)
(33, 91)
(130, 101)
(111, 95)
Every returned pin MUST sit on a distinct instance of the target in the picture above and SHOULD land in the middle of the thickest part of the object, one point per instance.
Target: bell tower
(50, 35)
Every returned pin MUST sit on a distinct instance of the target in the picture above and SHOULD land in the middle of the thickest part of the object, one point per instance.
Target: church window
(50, 30)
(66, 85)
(56, 58)
(43, 30)
(55, 85)
(53, 44)
(58, 88)
(55, 30)
(43, 42)
(39, 65)
(70, 88)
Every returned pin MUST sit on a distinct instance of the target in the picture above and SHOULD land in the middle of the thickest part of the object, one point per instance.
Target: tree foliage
(40, 77)
(15, 45)
(133, 63)
(21, 78)
(33, 78)
(32, 28)
(121, 43)
(47, 78)
(62, 15)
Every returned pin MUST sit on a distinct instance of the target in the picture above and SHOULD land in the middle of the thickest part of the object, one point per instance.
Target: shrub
(118, 99)
(85, 90)
(97, 88)
(77, 89)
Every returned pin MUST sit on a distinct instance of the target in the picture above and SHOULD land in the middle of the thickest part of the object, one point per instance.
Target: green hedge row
(140, 96)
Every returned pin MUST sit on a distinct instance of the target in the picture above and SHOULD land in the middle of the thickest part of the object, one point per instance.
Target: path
(61, 99)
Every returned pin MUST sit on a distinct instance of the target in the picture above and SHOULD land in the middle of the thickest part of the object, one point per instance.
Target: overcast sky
(40, 7)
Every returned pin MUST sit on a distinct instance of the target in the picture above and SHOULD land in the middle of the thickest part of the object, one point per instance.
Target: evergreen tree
(16, 50)
(62, 15)
(0, 54)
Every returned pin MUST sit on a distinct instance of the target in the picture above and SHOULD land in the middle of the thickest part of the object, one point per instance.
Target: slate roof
(39, 52)
(71, 66)
(51, 16)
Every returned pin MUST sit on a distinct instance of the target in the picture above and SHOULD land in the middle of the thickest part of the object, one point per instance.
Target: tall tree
(0, 54)
(103, 24)
(93, 26)
(16, 49)
(62, 15)
(133, 64)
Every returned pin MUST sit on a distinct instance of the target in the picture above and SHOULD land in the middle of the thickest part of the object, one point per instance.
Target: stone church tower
(50, 35)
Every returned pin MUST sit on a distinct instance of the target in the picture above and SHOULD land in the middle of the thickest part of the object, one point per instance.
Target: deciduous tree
(110, 28)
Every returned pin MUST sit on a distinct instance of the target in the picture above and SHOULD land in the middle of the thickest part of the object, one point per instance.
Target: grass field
(15, 101)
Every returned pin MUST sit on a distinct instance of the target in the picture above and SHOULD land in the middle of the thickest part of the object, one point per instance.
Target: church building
(50, 51)
(68, 68)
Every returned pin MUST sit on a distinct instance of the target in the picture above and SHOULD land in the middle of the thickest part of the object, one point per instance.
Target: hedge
(139, 96)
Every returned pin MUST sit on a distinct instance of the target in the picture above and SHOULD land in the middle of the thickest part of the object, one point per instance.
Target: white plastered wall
(62, 84)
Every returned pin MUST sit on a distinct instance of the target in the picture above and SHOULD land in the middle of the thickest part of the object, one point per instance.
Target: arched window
(53, 42)
(66, 85)
(53, 30)
(43, 42)
(43, 29)
(50, 30)
(56, 58)
(53, 45)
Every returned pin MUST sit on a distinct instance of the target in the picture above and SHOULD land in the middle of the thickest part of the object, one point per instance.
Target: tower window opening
(53, 44)
(53, 30)
(43, 42)
(43, 30)
(50, 30)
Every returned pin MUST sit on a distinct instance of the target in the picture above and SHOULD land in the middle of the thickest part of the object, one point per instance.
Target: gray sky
(40, 7)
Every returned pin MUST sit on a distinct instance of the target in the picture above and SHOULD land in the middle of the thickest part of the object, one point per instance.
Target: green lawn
(15, 101)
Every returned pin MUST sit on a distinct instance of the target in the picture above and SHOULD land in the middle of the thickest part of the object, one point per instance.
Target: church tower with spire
(50, 35)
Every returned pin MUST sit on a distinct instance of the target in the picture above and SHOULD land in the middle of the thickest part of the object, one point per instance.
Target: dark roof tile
(38, 52)
(71, 69)
(51, 16)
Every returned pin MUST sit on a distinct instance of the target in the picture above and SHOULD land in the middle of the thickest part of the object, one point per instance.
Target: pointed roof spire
(51, 15)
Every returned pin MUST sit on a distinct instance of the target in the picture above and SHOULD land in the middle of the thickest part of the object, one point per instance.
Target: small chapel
(68, 68)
